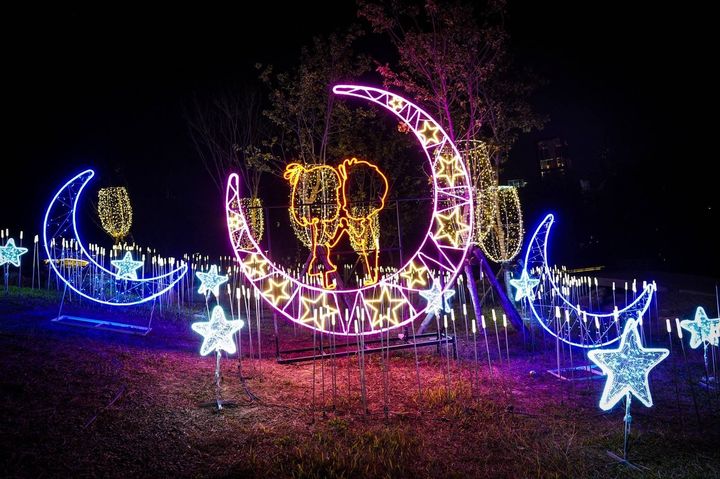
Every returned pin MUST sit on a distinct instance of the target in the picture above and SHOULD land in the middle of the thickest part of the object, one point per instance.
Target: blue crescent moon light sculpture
(79, 269)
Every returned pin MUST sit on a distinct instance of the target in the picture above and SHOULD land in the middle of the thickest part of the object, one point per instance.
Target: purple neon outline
(233, 188)
(648, 291)
(90, 173)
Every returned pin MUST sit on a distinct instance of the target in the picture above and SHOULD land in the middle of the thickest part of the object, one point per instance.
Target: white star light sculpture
(211, 281)
(127, 267)
(702, 329)
(11, 253)
(436, 298)
(627, 368)
(524, 286)
(218, 332)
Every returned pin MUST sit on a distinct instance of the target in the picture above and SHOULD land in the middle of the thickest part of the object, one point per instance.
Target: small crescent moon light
(393, 301)
(92, 280)
(574, 325)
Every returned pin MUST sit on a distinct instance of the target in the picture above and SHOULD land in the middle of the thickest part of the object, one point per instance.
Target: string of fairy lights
(115, 211)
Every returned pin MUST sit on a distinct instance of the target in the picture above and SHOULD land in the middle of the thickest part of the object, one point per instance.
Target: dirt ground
(82, 403)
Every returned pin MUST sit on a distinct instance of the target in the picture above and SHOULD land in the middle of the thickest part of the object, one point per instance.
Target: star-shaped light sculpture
(211, 281)
(256, 265)
(437, 300)
(524, 286)
(396, 103)
(448, 169)
(11, 253)
(415, 275)
(385, 308)
(127, 267)
(218, 332)
(276, 290)
(451, 227)
(627, 367)
(317, 310)
(429, 133)
(702, 329)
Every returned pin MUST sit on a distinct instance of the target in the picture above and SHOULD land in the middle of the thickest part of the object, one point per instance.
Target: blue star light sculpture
(11, 253)
(627, 368)
(702, 329)
(218, 332)
(127, 267)
(524, 286)
(211, 281)
(436, 298)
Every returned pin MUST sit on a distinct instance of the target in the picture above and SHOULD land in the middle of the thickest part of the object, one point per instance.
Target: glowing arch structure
(89, 278)
(574, 325)
(394, 300)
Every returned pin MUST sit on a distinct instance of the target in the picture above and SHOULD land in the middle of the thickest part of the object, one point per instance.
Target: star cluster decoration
(627, 367)
(702, 329)
(211, 281)
(218, 332)
(437, 299)
(524, 286)
(127, 267)
(11, 253)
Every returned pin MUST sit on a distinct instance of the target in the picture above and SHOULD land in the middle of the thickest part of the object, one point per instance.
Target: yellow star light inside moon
(429, 133)
(448, 168)
(451, 227)
(256, 265)
(415, 275)
(276, 291)
(385, 308)
(396, 104)
(317, 310)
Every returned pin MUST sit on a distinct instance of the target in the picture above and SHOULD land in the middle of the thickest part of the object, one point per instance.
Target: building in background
(553, 158)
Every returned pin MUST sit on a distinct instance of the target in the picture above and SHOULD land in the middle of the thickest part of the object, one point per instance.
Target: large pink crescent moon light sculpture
(393, 301)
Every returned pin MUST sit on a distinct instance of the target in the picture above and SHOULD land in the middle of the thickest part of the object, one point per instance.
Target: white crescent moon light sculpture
(85, 275)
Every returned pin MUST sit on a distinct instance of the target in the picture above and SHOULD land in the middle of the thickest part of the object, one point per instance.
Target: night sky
(626, 87)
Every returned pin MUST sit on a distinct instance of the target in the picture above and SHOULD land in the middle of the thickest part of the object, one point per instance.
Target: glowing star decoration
(415, 275)
(448, 169)
(384, 309)
(451, 228)
(437, 299)
(627, 367)
(127, 267)
(317, 310)
(429, 133)
(256, 266)
(11, 253)
(211, 281)
(218, 332)
(524, 286)
(277, 290)
(702, 329)
(434, 252)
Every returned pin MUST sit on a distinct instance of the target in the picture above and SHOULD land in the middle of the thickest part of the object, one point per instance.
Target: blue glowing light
(627, 367)
(702, 329)
(127, 267)
(11, 253)
(218, 332)
(211, 281)
(437, 299)
(524, 286)
(60, 219)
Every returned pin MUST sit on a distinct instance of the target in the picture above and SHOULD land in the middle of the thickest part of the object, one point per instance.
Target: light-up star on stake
(211, 281)
(524, 286)
(127, 267)
(437, 300)
(385, 308)
(627, 367)
(218, 332)
(11, 253)
(702, 329)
